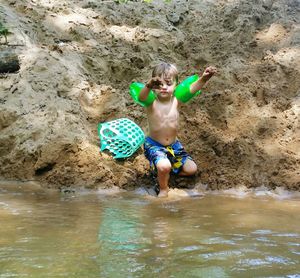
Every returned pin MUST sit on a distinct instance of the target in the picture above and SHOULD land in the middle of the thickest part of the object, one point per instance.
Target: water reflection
(121, 239)
(128, 235)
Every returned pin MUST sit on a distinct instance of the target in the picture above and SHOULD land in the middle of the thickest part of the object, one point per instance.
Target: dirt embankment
(79, 57)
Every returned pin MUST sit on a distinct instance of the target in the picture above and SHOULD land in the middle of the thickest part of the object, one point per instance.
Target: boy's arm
(153, 83)
(198, 85)
(144, 93)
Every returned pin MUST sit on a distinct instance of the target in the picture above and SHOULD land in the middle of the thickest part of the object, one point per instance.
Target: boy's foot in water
(160, 193)
(163, 193)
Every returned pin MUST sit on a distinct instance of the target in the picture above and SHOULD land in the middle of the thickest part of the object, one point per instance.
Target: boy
(161, 147)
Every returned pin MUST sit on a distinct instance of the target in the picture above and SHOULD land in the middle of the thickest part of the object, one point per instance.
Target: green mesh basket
(122, 137)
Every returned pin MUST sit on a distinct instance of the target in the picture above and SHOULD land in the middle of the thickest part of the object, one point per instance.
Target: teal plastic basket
(122, 137)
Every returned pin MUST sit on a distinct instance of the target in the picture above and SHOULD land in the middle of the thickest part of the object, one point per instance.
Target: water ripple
(287, 235)
(268, 260)
(222, 255)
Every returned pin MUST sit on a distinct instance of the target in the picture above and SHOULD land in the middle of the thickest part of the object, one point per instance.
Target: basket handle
(109, 128)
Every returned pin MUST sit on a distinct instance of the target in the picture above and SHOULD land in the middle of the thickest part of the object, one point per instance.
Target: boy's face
(166, 89)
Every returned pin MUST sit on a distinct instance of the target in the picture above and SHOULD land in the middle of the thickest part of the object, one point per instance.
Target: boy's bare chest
(165, 111)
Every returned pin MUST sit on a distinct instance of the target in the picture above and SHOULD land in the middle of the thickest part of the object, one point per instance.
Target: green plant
(3, 32)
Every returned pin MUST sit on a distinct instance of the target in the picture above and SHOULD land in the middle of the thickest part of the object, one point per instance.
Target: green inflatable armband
(183, 92)
(135, 89)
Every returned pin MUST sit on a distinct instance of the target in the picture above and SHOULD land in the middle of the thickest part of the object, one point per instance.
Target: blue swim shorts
(175, 152)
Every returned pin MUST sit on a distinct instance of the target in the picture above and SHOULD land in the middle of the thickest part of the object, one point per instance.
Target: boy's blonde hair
(166, 70)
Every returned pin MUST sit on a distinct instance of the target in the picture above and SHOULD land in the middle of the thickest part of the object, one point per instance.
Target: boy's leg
(189, 168)
(163, 167)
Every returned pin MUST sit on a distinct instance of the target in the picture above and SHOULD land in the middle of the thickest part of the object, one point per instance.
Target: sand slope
(79, 57)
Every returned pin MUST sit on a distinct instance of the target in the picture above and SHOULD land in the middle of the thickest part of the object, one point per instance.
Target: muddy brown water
(129, 234)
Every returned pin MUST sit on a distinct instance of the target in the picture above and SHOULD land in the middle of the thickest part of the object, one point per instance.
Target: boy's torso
(163, 121)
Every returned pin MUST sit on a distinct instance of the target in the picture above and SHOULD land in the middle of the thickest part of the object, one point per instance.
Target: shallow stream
(126, 234)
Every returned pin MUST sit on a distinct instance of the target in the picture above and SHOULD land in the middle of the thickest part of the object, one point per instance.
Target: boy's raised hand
(154, 83)
(208, 73)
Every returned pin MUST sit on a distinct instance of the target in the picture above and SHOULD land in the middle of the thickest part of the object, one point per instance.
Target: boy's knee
(190, 168)
(164, 166)
(193, 169)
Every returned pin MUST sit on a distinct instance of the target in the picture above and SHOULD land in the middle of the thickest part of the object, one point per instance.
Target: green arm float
(135, 89)
(183, 92)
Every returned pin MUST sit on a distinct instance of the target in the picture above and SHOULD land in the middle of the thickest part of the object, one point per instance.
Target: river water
(129, 234)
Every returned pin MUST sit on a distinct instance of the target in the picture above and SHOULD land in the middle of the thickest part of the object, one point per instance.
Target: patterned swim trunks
(175, 152)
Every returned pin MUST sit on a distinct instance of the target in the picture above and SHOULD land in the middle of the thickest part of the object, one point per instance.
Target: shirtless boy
(162, 147)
